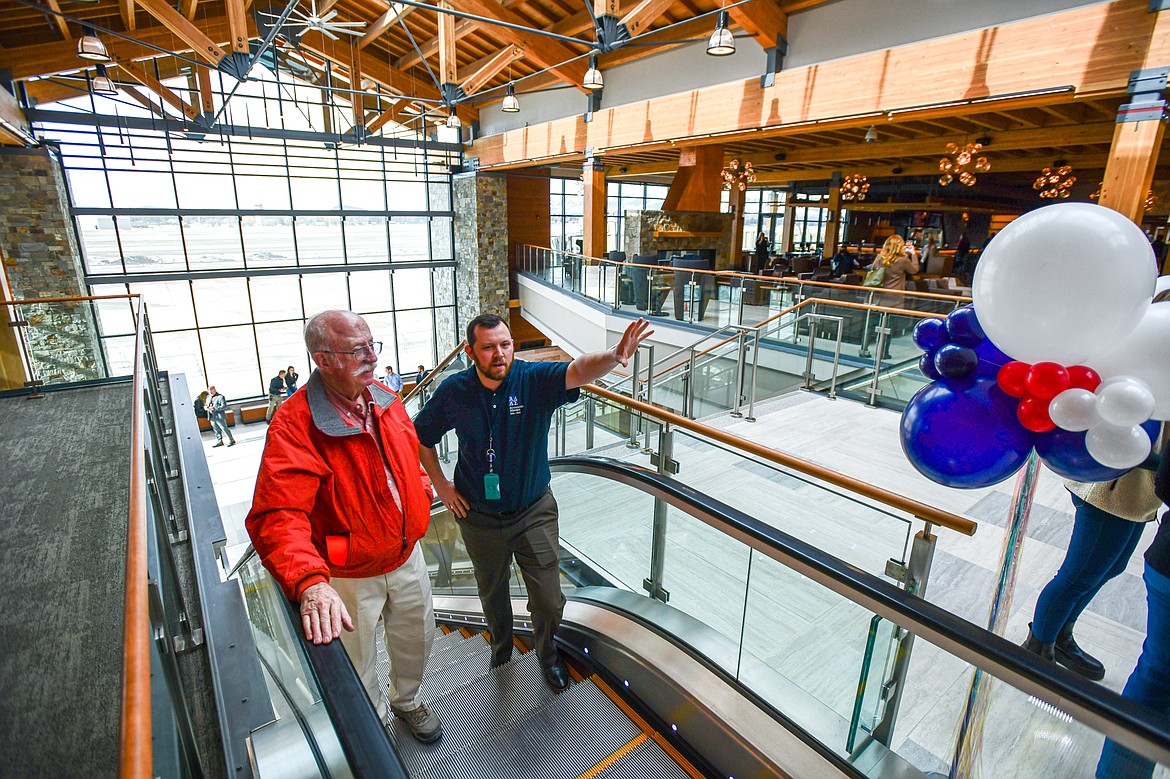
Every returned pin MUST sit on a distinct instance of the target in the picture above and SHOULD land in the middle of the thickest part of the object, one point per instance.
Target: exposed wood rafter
(154, 85)
(178, 24)
(488, 70)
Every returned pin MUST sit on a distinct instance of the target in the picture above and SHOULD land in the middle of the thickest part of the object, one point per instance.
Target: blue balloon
(955, 362)
(926, 365)
(930, 334)
(991, 359)
(1064, 452)
(964, 328)
(966, 438)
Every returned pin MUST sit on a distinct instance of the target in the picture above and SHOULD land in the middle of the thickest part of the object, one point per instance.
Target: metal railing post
(740, 367)
(635, 423)
(590, 410)
(883, 331)
(812, 342)
(865, 330)
(739, 305)
(653, 584)
(914, 576)
(751, 415)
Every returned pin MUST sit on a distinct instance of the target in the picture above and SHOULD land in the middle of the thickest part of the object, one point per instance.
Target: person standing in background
(275, 395)
(290, 381)
(761, 253)
(422, 374)
(201, 405)
(393, 380)
(217, 416)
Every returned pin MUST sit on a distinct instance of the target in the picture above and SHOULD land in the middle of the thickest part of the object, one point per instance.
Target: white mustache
(365, 368)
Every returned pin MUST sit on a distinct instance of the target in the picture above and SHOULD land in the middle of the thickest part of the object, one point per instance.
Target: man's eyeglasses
(374, 348)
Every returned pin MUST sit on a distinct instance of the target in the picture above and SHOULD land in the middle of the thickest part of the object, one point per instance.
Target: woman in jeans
(1110, 517)
(1149, 684)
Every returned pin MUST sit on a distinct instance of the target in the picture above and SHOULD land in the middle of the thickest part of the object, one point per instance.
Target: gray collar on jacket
(325, 415)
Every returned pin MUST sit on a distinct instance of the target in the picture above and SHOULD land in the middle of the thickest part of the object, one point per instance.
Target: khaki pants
(402, 598)
(274, 402)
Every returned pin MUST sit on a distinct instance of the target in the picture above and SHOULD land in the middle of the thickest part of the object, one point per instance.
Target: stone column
(42, 260)
(481, 246)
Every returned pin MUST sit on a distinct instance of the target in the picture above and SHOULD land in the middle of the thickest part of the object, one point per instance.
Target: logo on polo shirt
(514, 406)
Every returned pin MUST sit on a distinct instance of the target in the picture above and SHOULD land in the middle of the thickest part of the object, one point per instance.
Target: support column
(833, 224)
(737, 199)
(594, 242)
(789, 221)
(42, 260)
(1141, 123)
(481, 246)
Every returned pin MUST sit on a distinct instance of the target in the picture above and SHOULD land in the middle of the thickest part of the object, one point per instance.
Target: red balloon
(1083, 377)
(1011, 378)
(1046, 380)
(1033, 414)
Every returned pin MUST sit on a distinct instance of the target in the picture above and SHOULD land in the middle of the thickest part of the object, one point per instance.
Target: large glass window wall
(234, 241)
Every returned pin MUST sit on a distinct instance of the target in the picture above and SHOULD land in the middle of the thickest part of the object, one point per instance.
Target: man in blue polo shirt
(500, 410)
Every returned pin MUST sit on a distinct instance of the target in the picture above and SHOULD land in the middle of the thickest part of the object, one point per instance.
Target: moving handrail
(927, 513)
(135, 747)
(1102, 709)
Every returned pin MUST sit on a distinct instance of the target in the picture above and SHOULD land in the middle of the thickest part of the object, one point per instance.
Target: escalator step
(446, 641)
(464, 649)
(475, 710)
(645, 761)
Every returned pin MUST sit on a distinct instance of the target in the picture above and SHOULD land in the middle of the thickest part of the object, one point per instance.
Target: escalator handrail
(1097, 707)
(361, 733)
(919, 509)
(436, 371)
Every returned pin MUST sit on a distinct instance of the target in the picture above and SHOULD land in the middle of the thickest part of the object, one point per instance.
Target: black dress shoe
(1034, 645)
(1075, 659)
(557, 676)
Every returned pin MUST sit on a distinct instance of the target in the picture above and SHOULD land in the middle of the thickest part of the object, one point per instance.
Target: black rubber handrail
(362, 735)
(1097, 707)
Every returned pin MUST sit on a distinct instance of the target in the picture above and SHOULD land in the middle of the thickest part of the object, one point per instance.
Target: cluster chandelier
(738, 174)
(1055, 182)
(959, 163)
(854, 187)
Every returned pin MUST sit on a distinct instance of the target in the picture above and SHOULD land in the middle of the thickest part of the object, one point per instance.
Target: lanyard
(490, 454)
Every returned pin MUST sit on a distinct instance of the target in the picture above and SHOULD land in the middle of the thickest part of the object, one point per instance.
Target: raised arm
(592, 366)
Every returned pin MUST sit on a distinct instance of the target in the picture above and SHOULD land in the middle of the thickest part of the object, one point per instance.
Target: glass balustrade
(826, 663)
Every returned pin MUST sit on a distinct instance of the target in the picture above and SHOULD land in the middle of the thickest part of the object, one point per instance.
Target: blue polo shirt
(517, 415)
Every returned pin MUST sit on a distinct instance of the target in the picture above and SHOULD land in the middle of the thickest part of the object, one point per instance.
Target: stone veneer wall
(42, 260)
(639, 230)
(481, 246)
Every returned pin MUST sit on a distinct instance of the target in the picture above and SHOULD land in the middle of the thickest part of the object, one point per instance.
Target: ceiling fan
(314, 21)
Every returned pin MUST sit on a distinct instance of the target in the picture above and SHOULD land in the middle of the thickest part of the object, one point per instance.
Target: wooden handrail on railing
(450, 358)
(135, 742)
(921, 510)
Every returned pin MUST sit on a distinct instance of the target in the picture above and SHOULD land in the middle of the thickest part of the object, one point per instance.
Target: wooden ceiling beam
(154, 85)
(126, 10)
(145, 101)
(200, 43)
(488, 70)
(1022, 165)
(206, 93)
(462, 27)
(641, 16)
(448, 65)
(384, 23)
(764, 20)
(546, 52)
(237, 26)
(46, 59)
(188, 7)
(58, 20)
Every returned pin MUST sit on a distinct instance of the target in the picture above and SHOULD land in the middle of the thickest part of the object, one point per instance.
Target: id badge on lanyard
(491, 479)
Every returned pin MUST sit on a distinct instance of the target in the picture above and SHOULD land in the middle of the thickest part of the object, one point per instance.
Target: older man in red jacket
(341, 503)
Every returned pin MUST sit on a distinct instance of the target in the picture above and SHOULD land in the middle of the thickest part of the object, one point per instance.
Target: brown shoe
(423, 725)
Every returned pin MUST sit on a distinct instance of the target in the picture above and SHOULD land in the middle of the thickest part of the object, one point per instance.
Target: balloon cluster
(1089, 364)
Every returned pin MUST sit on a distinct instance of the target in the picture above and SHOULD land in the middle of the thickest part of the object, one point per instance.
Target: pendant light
(593, 78)
(101, 83)
(511, 104)
(453, 120)
(90, 47)
(722, 41)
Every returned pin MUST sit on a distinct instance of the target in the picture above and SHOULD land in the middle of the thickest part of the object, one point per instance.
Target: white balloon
(1063, 283)
(1117, 446)
(1144, 354)
(1126, 401)
(1074, 409)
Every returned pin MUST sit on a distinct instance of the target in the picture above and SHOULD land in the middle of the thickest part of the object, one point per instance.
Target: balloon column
(1069, 354)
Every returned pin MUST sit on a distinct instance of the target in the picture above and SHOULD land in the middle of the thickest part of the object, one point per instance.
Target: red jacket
(322, 506)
